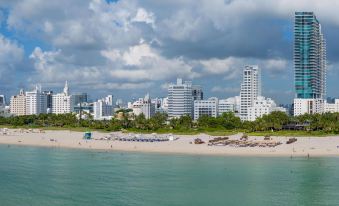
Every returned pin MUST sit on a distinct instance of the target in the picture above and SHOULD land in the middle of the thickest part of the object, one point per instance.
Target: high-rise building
(309, 57)
(148, 108)
(309, 64)
(197, 92)
(62, 103)
(36, 102)
(18, 104)
(79, 98)
(143, 106)
(250, 89)
(49, 96)
(207, 107)
(180, 100)
(103, 108)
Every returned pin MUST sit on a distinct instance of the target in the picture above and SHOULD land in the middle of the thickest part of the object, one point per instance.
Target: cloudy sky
(130, 47)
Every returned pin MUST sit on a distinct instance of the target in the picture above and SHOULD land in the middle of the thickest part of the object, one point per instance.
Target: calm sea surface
(50, 177)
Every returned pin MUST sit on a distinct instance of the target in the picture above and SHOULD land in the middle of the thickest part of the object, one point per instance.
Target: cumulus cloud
(141, 44)
(52, 66)
(11, 55)
(225, 89)
(276, 64)
(143, 16)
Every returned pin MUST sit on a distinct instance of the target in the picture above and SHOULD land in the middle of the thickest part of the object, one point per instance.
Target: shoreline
(304, 147)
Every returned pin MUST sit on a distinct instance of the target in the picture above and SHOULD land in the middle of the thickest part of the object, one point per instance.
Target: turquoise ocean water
(49, 177)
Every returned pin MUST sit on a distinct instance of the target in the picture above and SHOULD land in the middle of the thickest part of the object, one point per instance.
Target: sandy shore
(312, 146)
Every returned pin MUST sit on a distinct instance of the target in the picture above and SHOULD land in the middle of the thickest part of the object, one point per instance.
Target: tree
(275, 120)
(229, 121)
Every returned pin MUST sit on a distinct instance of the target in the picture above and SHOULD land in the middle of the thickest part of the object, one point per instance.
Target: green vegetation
(225, 124)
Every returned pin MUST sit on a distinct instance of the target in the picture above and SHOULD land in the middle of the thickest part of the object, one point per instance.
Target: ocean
(53, 176)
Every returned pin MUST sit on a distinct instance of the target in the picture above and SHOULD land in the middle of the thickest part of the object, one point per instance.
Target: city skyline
(211, 50)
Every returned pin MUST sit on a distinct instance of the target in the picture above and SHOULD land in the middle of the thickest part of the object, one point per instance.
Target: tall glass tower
(309, 57)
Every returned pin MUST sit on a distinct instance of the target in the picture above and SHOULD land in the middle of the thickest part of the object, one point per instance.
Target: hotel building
(180, 99)
(103, 108)
(250, 89)
(36, 102)
(18, 104)
(206, 107)
(62, 102)
(309, 64)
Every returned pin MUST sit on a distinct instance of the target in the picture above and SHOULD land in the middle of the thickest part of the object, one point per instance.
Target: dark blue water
(50, 177)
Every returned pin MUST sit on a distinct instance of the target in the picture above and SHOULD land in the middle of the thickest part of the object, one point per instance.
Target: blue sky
(128, 47)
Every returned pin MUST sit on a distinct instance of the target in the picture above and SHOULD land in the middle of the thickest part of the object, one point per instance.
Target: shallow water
(49, 177)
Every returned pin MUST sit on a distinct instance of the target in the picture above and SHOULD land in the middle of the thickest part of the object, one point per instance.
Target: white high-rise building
(62, 103)
(262, 106)
(180, 100)
(143, 106)
(136, 106)
(206, 107)
(18, 104)
(250, 89)
(308, 106)
(148, 108)
(36, 102)
(231, 104)
(103, 108)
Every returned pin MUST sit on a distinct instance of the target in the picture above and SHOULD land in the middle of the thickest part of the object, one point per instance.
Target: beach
(304, 146)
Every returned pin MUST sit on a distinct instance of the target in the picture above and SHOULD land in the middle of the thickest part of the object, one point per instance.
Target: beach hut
(88, 135)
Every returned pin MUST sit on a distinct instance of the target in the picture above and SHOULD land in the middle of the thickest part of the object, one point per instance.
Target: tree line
(327, 122)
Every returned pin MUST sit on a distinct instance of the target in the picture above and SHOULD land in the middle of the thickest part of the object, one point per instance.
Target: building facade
(36, 102)
(262, 106)
(180, 99)
(250, 89)
(2, 100)
(62, 102)
(309, 57)
(309, 64)
(143, 106)
(148, 108)
(231, 104)
(197, 92)
(49, 97)
(206, 108)
(18, 104)
(103, 108)
(308, 106)
(331, 107)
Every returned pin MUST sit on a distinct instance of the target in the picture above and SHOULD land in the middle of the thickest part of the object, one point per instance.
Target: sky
(132, 47)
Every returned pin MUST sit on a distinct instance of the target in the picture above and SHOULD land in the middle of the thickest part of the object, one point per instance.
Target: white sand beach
(312, 146)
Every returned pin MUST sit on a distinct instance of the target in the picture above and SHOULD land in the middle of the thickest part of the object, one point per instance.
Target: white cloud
(225, 89)
(141, 62)
(144, 16)
(123, 86)
(95, 42)
(221, 66)
(53, 66)
(135, 54)
(275, 64)
(11, 55)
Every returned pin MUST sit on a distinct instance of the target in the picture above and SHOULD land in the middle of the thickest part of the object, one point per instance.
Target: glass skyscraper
(309, 57)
